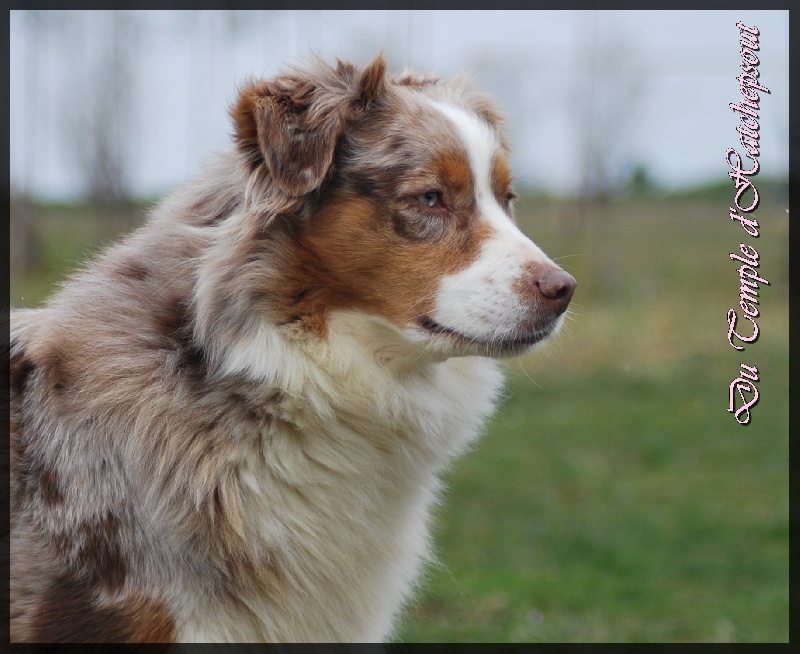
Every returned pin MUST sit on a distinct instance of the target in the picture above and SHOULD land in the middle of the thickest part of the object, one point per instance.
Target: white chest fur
(343, 493)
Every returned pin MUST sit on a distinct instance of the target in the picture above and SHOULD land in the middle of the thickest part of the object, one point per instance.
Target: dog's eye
(509, 198)
(432, 199)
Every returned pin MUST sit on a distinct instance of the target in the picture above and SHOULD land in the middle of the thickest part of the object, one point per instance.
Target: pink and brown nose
(547, 285)
(557, 287)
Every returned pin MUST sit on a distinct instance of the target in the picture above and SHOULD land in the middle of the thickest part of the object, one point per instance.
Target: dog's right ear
(293, 123)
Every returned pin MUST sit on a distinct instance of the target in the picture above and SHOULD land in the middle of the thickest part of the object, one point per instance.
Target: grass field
(613, 497)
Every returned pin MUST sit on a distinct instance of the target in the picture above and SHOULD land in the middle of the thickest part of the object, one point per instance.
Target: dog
(229, 427)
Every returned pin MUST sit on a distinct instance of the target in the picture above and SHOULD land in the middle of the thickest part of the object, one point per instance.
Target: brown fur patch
(20, 368)
(171, 320)
(56, 369)
(212, 211)
(30, 473)
(49, 487)
(366, 265)
(94, 546)
(501, 177)
(69, 613)
(102, 548)
(131, 269)
(454, 172)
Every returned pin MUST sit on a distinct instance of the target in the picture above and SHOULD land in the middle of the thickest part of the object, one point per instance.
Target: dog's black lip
(430, 325)
(434, 327)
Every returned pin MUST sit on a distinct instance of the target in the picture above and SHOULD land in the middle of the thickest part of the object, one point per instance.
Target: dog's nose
(557, 287)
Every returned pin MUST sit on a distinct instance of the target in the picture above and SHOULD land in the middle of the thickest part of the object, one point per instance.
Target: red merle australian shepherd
(229, 427)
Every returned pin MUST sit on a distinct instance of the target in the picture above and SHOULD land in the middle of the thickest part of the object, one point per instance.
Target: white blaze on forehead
(481, 144)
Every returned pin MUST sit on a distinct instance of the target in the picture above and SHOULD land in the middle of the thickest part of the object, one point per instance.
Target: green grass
(63, 237)
(612, 497)
(615, 507)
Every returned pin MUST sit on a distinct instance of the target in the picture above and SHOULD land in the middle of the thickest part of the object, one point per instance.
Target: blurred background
(613, 497)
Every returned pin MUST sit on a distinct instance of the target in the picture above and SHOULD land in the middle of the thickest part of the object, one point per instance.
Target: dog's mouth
(491, 345)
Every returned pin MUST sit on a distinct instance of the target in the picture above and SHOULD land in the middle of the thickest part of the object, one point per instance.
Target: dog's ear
(371, 83)
(293, 123)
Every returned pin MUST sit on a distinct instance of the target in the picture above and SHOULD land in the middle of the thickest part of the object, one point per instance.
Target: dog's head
(397, 194)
